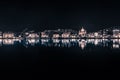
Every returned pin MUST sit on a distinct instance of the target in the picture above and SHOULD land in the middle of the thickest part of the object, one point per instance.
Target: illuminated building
(26, 33)
(8, 35)
(0, 42)
(33, 35)
(90, 35)
(73, 36)
(82, 32)
(44, 35)
(96, 34)
(116, 33)
(66, 35)
(0, 34)
(56, 35)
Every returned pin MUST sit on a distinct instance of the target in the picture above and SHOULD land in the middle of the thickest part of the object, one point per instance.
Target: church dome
(82, 30)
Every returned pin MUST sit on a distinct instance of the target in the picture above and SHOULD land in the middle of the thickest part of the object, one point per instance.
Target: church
(82, 32)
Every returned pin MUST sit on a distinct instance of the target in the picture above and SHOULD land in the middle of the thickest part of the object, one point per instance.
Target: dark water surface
(67, 55)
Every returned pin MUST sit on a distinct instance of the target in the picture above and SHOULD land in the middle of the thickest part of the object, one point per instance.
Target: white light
(115, 46)
(96, 34)
(56, 40)
(96, 42)
(8, 41)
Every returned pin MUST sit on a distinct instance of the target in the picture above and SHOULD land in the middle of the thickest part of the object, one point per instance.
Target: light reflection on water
(82, 43)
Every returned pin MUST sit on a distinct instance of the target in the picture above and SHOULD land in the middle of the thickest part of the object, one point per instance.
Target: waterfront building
(82, 32)
(56, 35)
(8, 35)
(116, 33)
(33, 35)
(90, 35)
(0, 34)
(73, 36)
(44, 35)
(66, 35)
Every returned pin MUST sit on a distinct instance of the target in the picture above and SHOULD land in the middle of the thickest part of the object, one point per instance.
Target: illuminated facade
(116, 33)
(82, 32)
(8, 35)
(73, 36)
(44, 35)
(0, 34)
(56, 35)
(33, 35)
(66, 35)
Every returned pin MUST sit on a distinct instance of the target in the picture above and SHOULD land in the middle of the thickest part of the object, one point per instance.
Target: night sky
(93, 15)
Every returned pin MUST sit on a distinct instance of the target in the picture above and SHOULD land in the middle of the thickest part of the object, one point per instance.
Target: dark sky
(40, 15)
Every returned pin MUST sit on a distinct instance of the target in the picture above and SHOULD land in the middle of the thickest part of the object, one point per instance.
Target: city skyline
(112, 32)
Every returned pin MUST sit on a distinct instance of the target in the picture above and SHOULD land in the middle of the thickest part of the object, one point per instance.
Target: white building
(33, 35)
(82, 32)
(8, 35)
(56, 35)
(44, 35)
(66, 35)
(116, 33)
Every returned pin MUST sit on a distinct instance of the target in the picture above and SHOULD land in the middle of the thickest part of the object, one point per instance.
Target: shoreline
(59, 38)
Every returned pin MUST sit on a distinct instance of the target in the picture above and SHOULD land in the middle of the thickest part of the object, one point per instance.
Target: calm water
(46, 55)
